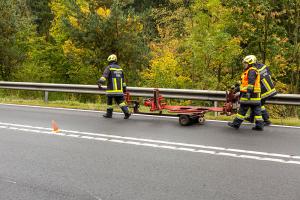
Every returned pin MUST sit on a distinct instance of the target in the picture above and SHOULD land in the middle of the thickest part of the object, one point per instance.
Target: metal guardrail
(206, 95)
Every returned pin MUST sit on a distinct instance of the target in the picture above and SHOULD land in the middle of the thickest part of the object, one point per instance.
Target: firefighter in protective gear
(116, 86)
(267, 91)
(250, 95)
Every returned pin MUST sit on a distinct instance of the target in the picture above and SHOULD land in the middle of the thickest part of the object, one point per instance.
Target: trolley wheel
(194, 119)
(201, 120)
(184, 120)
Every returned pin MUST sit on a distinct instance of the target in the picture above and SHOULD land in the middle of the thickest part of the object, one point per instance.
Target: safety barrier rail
(206, 95)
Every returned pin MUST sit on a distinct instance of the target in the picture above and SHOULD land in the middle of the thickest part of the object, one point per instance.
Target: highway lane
(177, 163)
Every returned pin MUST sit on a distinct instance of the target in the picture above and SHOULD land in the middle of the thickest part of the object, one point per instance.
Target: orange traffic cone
(54, 126)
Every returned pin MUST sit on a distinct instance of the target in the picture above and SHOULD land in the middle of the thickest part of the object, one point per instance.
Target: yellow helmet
(112, 58)
(250, 59)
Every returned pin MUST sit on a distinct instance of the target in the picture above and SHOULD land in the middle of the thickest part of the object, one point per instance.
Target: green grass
(102, 107)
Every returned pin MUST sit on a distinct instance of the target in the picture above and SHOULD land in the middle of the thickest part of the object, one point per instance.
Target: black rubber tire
(184, 120)
(201, 120)
(194, 119)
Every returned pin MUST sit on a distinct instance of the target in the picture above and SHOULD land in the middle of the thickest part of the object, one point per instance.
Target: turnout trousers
(255, 109)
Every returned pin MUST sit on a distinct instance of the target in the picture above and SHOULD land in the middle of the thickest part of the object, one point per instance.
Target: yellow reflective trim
(243, 89)
(258, 118)
(257, 90)
(251, 99)
(254, 68)
(266, 84)
(255, 99)
(116, 69)
(263, 108)
(115, 86)
(262, 68)
(122, 104)
(240, 116)
(114, 91)
(269, 92)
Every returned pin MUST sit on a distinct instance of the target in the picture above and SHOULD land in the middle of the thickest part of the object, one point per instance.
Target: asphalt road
(143, 158)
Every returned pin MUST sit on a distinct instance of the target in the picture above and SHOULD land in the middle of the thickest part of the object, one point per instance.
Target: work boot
(126, 112)
(109, 112)
(259, 125)
(127, 115)
(231, 124)
(257, 128)
(267, 123)
(249, 119)
(265, 116)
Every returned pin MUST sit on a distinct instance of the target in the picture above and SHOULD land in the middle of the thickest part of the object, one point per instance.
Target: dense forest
(195, 44)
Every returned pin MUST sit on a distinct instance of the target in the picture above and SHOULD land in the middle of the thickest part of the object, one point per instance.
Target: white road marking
(101, 139)
(8, 181)
(72, 135)
(135, 143)
(293, 162)
(118, 141)
(155, 141)
(60, 134)
(221, 151)
(149, 145)
(250, 156)
(167, 147)
(205, 151)
(186, 149)
(162, 142)
(47, 132)
(227, 154)
(87, 137)
(152, 116)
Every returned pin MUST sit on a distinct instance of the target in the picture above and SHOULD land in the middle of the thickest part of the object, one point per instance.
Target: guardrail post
(46, 96)
(216, 105)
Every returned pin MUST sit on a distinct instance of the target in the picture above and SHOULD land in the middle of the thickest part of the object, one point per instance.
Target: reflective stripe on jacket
(247, 84)
(115, 80)
(250, 83)
(267, 85)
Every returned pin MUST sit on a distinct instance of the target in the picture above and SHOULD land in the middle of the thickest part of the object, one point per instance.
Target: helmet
(250, 59)
(112, 58)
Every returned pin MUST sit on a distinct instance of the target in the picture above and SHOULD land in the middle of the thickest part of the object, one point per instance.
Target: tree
(214, 49)
(42, 16)
(168, 64)
(97, 30)
(15, 30)
(292, 25)
(269, 30)
(164, 69)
